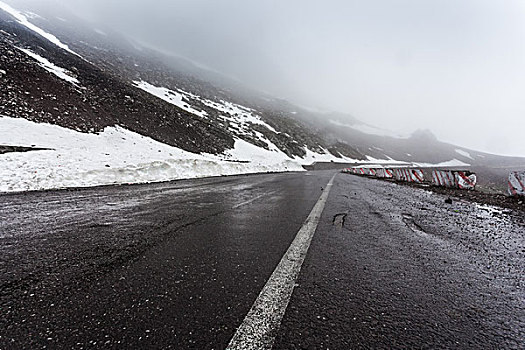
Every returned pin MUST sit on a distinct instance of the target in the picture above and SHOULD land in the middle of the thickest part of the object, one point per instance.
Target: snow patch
(464, 153)
(22, 19)
(392, 163)
(250, 154)
(492, 210)
(312, 157)
(98, 31)
(31, 15)
(50, 67)
(169, 96)
(388, 161)
(451, 163)
(236, 114)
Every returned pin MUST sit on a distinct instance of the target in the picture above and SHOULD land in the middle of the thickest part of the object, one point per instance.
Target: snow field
(115, 156)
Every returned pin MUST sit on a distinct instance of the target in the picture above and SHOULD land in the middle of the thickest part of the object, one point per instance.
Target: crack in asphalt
(408, 219)
(339, 219)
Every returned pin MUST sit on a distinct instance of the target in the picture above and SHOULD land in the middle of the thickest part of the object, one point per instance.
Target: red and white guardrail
(464, 180)
(517, 183)
(385, 173)
(444, 178)
(370, 172)
(409, 175)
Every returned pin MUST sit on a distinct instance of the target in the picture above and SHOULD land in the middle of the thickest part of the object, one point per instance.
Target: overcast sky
(456, 67)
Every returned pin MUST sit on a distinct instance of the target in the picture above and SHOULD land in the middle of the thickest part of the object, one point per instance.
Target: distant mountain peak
(424, 134)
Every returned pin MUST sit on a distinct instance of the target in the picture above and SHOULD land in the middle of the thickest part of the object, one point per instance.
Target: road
(181, 264)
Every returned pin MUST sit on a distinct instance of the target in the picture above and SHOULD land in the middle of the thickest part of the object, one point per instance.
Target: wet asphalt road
(179, 265)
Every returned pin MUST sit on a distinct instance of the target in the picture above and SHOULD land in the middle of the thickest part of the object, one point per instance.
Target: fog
(455, 67)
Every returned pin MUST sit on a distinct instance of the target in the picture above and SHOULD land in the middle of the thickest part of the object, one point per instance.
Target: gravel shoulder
(477, 196)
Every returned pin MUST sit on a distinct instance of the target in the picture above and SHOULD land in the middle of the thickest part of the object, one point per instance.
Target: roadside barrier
(445, 178)
(385, 173)
(464, 180)
(417, 175)
(401, 175)
(409, 175)
(370, 172)
(517, 183)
